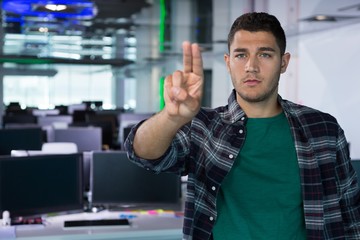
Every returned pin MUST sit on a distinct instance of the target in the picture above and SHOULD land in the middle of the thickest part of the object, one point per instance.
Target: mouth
(252, 82)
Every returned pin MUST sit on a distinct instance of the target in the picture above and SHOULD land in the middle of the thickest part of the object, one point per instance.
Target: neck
(263, 109)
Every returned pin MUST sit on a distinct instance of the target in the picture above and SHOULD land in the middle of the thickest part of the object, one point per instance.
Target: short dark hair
(259, 21)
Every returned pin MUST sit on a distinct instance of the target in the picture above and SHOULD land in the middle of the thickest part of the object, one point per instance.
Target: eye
(265, 55)
(240, 55)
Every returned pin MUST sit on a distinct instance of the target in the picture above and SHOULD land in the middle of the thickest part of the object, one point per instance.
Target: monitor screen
(19, 118)
(86, 138)
(20, 139)
(115, 181)
(51, 120)
(36, 185)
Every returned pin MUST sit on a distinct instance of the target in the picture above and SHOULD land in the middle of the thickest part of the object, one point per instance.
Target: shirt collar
(235, 111)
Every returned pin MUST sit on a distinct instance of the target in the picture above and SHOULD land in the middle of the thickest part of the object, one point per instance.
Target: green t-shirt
(261, 198)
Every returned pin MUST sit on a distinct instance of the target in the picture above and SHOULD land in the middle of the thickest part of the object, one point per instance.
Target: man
(260, 167)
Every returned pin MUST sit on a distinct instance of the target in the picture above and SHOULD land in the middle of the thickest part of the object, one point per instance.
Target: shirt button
(211, 218)
(243, 118)
(241, 131)
(231, 156)
(213, 188)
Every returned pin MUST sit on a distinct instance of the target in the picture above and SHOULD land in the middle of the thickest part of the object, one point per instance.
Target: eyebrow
(263, 49)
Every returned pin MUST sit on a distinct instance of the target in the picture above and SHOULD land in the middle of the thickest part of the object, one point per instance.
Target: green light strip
(162, 25)
(25, 60)
(161, 49)
(161, 93)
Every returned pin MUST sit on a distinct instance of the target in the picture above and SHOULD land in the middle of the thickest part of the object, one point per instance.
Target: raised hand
(183, 89)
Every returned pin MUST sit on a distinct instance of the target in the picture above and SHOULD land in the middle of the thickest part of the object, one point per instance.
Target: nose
(252, 65)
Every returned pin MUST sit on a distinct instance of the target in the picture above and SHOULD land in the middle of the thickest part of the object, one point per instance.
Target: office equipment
(18, 118)
(86, 159)
(87, 155)
(109, 126)
(86, 138)
(51, 120)
(80, 115)
(131, 185)
(141, 226)
(41, 184)
(21, 125)
(96, 223)
(75, 107)
(20, 139)
(45, 112)
(93, 104)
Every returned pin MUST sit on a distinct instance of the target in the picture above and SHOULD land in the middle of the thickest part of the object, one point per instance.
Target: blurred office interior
(117, 53)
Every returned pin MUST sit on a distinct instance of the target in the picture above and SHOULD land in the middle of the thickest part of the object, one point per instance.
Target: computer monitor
(51, 120)
(109, 126)
(37, 185)
(86, 138)
(18, 118)
(117, 182)
(20, 139)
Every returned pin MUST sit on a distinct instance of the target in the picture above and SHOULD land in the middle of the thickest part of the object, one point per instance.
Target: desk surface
(154, 224)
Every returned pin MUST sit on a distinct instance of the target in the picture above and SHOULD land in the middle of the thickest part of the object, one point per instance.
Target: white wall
(329, 77)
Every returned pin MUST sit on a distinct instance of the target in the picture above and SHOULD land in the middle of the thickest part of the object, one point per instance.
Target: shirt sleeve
(349, 189)
(173, 160)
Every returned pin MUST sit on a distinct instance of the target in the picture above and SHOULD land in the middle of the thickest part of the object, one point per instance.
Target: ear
(285, 59)
(227, 61)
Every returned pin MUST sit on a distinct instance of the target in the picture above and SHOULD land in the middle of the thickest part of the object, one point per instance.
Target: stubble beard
(259, 97)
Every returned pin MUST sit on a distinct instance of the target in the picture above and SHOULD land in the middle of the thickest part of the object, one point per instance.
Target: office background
(323, 37)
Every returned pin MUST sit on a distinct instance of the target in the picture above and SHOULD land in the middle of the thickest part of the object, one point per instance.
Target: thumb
(179, 94)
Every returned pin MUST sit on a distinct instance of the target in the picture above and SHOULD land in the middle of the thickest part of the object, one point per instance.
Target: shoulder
(306, 112)
(310, 118)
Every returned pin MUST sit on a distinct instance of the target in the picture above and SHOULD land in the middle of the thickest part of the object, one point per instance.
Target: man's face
(255, 64)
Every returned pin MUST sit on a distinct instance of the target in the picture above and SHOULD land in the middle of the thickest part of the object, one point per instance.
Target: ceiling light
(43, 29)
(324, 18)
(320, 18)
(55, 7)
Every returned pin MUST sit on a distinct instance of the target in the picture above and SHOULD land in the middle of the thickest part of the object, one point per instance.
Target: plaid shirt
(206, 148)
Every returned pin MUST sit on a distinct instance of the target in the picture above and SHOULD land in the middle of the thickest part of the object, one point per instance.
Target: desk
(144, 225)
